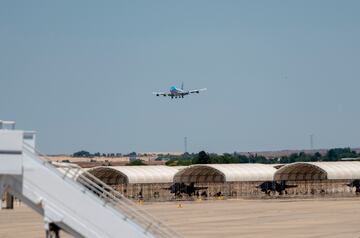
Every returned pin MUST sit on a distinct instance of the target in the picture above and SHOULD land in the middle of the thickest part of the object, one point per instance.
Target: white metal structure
(9, 124)
(225, 173)
(69, 198)
(319, 171)
(135, 174)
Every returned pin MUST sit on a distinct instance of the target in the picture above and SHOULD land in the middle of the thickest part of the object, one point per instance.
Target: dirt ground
(230, 218)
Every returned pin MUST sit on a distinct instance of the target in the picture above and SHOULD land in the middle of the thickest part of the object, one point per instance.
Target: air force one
(177, 92)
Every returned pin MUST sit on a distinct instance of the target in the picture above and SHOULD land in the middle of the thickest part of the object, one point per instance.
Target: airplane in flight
(177, 92)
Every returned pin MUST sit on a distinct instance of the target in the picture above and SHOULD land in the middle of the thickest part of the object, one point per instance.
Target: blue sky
(81, 74)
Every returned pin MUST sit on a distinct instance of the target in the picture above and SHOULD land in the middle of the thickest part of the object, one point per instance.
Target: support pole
(9, 201)
(52, 230)
(1, 195)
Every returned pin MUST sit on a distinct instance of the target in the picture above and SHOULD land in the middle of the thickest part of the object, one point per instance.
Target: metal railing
(111, 197)
(10, 125)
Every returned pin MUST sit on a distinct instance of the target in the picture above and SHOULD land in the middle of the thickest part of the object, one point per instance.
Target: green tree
(202, 158)
(136, 162)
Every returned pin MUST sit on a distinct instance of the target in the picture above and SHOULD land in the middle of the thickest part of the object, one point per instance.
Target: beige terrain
(103, 161)
(230, 218)
(263, 218)
(22, 222)
(84, 159)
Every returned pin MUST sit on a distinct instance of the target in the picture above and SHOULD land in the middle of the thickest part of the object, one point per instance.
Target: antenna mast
(185, 144)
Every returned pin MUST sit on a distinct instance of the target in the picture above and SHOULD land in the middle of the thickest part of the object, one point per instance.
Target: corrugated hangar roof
(135, 174)
(319, 171)
(225, 173)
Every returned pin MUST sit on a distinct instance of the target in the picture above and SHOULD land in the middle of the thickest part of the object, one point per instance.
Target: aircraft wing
(198, 90)
(161, 94)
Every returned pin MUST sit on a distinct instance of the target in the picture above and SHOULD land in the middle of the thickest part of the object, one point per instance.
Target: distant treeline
(226, 158)
(206, 158)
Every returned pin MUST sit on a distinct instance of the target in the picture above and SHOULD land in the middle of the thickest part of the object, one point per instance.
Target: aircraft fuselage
(175, 92)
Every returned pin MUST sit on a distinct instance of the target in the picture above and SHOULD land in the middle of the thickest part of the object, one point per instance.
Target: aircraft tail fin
(182, 86)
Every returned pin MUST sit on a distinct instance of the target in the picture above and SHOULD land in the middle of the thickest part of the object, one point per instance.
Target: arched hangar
(221, 173)
(147, 182)
(311, 178)
(113, 175)
(311, 171)
(233, 180)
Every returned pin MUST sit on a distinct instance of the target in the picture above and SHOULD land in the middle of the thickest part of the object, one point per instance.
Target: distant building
(350, 159)
(132, 156)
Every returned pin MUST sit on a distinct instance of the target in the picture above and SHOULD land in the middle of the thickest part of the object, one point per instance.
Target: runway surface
(22, 222)
(263, 218)
(230, 218)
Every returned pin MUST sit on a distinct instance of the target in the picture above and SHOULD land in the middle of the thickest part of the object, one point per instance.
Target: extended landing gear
(180, 96)
(53, 231)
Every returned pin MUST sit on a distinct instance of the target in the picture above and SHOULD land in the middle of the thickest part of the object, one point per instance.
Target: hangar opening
(109, 175)
(200, 174)
(302, 172)
(321, 178)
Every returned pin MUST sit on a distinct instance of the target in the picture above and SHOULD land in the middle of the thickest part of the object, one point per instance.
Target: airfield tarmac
(228, 218)
(22, 222)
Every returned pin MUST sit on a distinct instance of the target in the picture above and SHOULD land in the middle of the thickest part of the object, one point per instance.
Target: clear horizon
(82, 74)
